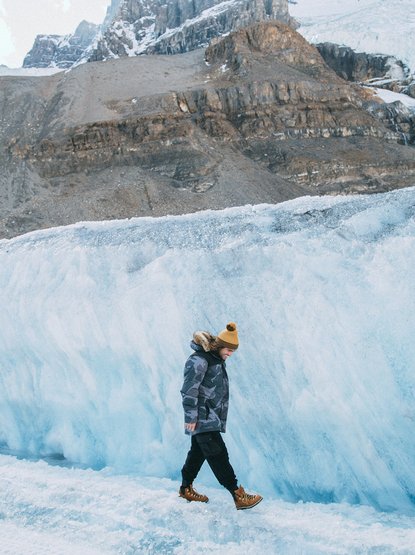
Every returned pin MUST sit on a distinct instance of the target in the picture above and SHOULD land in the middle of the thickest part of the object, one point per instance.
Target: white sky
(22, 20)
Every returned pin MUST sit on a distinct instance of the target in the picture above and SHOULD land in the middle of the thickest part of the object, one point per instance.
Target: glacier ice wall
(96, 320)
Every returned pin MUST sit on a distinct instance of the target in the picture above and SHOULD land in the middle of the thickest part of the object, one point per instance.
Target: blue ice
(96, 320)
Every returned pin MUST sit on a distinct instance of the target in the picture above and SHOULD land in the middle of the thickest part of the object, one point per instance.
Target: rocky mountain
(371, 33)
(133, 27)
(373, 26)
(152, 26)
(361, 66)
(61, 51)
(257, 117)
(375, 70)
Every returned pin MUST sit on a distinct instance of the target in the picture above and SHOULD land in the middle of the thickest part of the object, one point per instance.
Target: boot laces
(246, 496)
(195, 493)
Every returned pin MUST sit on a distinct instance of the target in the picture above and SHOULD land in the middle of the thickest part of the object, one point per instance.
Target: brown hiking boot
(191, 494)
(245, 500)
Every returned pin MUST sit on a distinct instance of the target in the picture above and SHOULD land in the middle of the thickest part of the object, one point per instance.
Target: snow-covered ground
(48, 510)
(390, 96)
(373, 26)
(96, 320)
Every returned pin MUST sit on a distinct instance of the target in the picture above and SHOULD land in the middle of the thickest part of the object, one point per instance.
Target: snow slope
(48, 510)
(390, 97)
(96, 320)
(373, 26)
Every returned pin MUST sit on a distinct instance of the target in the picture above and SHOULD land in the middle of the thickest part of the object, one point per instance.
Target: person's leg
(214, 450)
(194, 460)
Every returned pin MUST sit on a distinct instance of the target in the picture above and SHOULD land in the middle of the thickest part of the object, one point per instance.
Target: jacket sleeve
(194, 372)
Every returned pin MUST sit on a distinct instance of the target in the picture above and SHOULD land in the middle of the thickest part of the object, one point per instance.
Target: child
(205, 395)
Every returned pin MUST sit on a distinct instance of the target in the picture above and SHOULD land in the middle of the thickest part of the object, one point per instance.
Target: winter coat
(205, 391)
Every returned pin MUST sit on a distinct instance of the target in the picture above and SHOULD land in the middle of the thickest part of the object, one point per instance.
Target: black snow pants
(210, 447)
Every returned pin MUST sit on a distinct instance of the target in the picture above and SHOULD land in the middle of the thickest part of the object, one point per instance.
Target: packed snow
(96, 321)
(373, 26)
(390, 97)
(51, 510)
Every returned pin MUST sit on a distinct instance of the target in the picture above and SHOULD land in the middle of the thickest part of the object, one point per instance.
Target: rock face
(133, 27)
(257, 117)
(378, 71)
(137, 26)
(386, 72)
(61, 51)
(359, 66)
(397, 117)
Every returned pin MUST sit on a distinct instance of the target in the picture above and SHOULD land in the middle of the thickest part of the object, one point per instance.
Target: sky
(22, 20)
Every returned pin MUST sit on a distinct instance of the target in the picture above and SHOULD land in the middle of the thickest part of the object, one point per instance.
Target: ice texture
(96, 320)
(373, 26)
(59, 511)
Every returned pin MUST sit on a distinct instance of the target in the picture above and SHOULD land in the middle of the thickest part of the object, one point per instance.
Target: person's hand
(190, 427)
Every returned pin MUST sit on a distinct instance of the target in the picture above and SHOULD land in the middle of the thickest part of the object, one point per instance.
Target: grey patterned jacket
(205, 391)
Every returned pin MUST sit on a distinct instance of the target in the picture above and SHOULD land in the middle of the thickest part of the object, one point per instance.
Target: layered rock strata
(258, 117)
(377, 71)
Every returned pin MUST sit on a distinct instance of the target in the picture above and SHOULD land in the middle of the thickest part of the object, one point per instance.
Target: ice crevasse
(96, 320)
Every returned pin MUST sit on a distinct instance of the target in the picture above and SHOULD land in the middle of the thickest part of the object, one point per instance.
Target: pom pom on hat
(229, 336)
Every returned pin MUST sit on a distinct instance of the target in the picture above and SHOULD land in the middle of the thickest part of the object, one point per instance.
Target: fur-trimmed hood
(203, 339)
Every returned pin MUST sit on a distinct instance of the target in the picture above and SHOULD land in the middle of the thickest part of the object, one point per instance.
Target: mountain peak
(133, 27)
(241, 48)
(61, 50)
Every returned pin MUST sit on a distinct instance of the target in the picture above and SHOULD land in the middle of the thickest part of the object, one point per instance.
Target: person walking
(205, 398)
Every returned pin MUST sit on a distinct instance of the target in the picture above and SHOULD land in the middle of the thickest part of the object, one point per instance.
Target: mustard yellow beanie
(228, 337)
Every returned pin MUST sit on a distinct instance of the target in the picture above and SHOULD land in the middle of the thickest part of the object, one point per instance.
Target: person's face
(225, 352)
